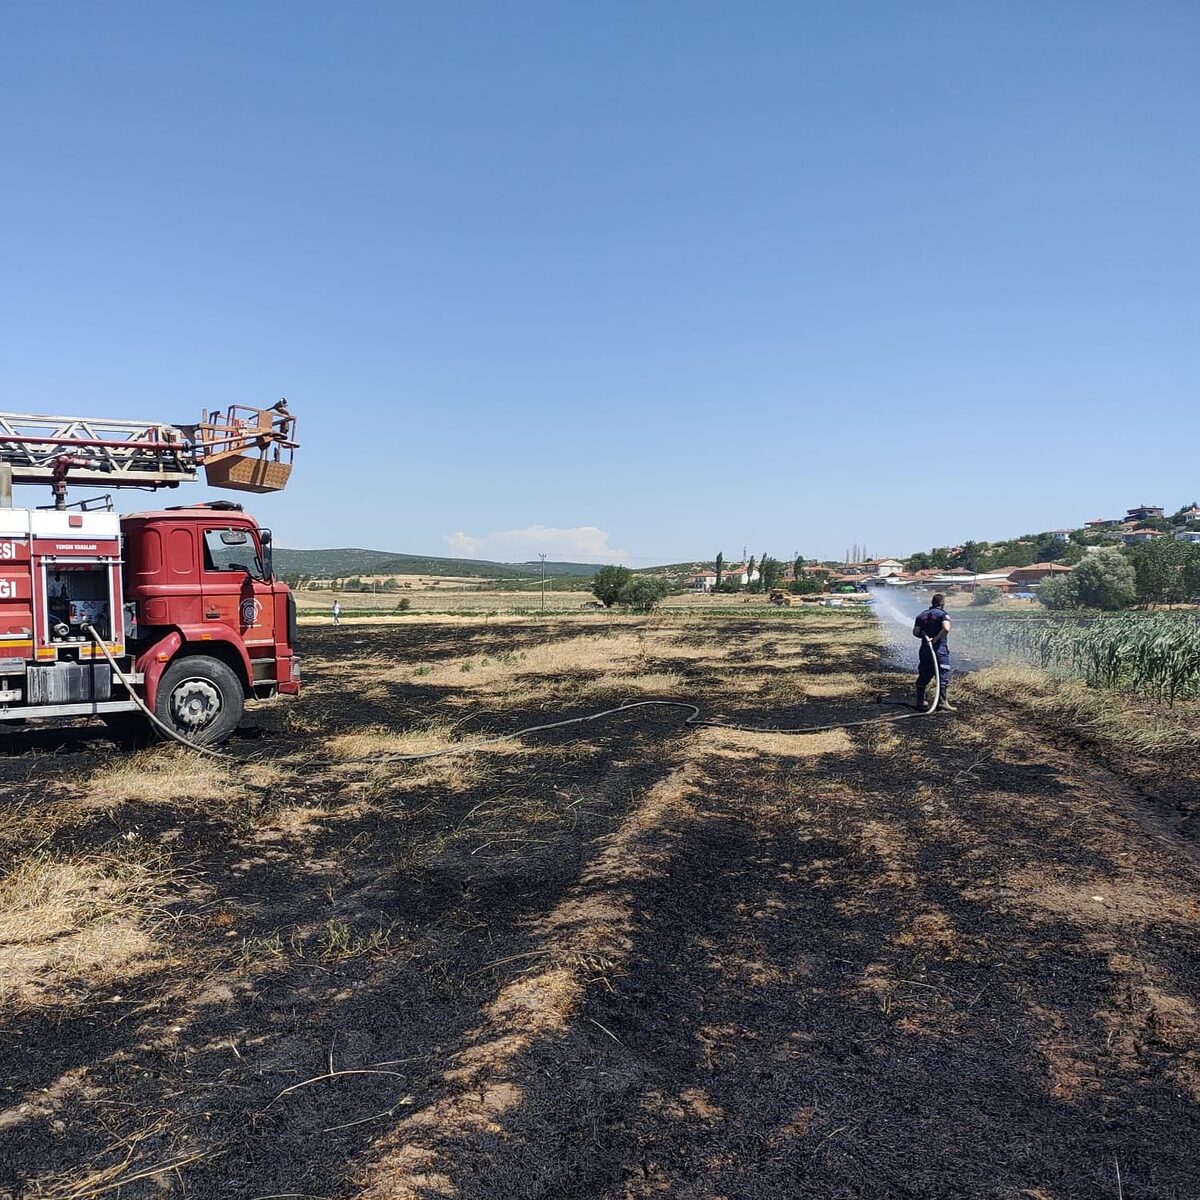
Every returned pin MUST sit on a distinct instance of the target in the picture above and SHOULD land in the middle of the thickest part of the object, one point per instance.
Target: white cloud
(583, 543)
(463, 544)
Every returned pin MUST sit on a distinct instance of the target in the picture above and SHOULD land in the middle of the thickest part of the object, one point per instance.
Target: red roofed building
(1027, 577)
(1135, 537)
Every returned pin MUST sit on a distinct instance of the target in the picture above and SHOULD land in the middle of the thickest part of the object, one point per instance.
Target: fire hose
(131, 688)
(694, 720)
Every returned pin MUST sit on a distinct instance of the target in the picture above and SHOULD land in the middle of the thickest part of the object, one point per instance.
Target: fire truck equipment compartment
(68, 683)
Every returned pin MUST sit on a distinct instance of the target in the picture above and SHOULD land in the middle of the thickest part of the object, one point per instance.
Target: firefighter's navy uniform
(930, 624)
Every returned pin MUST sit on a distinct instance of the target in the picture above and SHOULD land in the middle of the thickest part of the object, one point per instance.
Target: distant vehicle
(846, 601)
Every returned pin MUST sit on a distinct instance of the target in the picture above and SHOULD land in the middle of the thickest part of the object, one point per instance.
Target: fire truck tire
(200, 698)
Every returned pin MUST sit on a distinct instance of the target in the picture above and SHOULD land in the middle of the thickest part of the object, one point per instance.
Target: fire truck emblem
(250, 610)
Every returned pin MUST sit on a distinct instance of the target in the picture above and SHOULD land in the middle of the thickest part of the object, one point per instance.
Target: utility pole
(543, 558)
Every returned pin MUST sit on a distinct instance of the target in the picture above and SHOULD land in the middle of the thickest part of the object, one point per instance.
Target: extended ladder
(245, 449)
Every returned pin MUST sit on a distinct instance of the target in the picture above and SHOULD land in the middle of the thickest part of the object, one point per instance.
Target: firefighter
(337, 612)
(934, 624)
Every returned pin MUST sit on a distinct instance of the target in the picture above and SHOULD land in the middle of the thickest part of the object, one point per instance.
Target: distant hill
(336, 564)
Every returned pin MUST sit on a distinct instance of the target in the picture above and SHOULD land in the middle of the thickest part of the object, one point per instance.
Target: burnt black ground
(874, 972)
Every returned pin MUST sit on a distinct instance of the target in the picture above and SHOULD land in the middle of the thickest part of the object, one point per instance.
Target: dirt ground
(952, 957)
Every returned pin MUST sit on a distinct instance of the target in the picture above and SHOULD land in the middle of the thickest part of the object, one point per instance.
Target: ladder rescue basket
(247, 473)
(247, 449)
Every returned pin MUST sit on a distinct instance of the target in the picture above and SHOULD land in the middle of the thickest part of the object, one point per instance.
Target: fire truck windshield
(231, 550)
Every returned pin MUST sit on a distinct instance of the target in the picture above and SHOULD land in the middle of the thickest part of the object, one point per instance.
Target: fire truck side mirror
(268, 566)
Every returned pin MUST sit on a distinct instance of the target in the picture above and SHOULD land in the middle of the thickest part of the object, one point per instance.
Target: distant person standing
(337, 612)
(934, 624)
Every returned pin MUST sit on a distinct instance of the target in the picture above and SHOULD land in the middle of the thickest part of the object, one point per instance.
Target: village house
(1135, 537)
(1188, 535)
(1101, 523)
(1145, 512)
(969, 580)
(704, 580)
(1023, 578)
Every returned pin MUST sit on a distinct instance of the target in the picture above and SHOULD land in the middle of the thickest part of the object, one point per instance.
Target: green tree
(1072, 555)
(1048, 547)
(608, 582)
(1159, 523)
(750, 571)
(1158, 567)
(1059, 592)
(986, 595)
(1191, 571)
(968, 556)
(798, 567)
(644, 592)
(759, 585)
(720, 569)
(770, 569)
(1105, 580)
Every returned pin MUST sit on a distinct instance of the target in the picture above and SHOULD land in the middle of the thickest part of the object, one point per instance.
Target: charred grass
(947, 957)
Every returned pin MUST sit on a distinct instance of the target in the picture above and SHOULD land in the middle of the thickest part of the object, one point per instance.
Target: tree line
(1164, 571)
(770, 576)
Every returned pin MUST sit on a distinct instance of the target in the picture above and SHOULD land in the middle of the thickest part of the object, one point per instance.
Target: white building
(706, 581)
(958, 579)
(1189, 535)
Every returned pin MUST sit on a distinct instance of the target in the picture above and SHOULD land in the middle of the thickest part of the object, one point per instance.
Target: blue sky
(640, 280)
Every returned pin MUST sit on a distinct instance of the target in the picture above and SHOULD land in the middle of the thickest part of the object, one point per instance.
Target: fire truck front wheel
(200, 698)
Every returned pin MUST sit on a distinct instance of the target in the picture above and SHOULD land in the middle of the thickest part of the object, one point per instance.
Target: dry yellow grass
(174, 776)
(426, 739)
(602, 653)
(1119, 721)
(86, 916)
(460, 771)
(646, 683)
(736, 743)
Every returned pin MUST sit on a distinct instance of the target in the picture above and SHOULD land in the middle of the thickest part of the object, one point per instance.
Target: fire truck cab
(183, 599)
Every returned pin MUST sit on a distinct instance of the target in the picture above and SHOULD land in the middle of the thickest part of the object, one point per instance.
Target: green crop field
(1156, 656)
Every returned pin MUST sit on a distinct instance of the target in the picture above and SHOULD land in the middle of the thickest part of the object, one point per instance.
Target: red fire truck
(177, 608)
